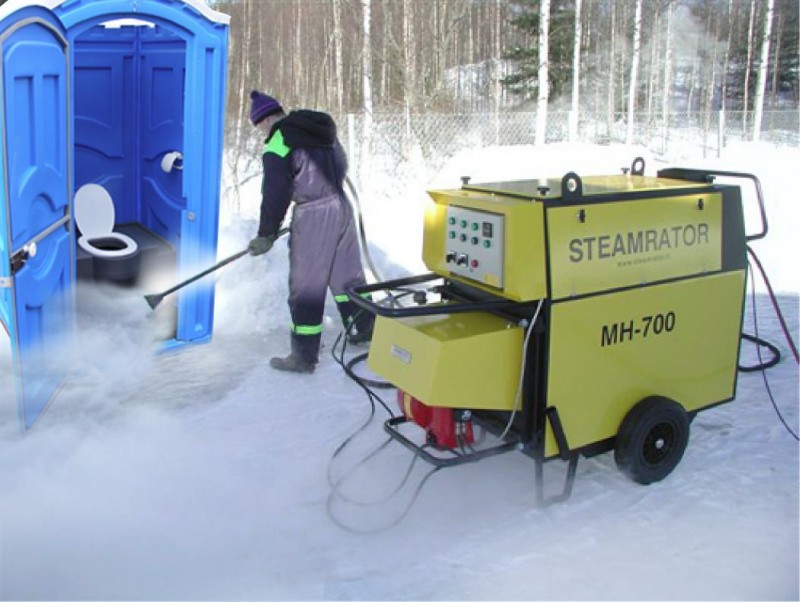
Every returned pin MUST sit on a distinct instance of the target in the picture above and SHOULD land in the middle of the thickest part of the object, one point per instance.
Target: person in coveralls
(304, 162)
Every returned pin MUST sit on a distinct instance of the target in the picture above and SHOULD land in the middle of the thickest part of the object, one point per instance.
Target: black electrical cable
(758, 351)
(336, 485)
(356, 204)
(775, 305)
(340, 359)
(776, 354)
(377, 384)
(365, 384)
(395, 522)
(349, 366)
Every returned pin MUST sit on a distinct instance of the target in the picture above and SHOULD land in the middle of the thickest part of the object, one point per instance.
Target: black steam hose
(356, 204)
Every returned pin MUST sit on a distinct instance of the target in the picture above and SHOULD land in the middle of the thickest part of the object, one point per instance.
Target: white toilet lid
(94, 211)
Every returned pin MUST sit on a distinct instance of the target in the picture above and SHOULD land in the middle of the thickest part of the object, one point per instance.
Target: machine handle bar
(759, 194)
(706, 175)
(357, 296)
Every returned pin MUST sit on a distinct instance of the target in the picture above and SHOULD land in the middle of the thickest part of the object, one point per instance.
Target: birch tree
(727, 58)
(611, 68)
(240, 135)
(337, 55)
(748, 64)
(409, 71)
(576, 74)
(634, 79)
(665, 106)
(763, 69)
(711, 72)
(544, 83)
(496, 69)
(366, 84)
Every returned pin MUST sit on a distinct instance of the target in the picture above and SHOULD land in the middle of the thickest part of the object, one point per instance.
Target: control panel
(474, 244)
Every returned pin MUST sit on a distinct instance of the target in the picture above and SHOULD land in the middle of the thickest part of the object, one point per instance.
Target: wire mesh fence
(398, 148)
(394, 138)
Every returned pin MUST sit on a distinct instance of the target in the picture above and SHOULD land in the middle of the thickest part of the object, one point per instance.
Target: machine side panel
(734, 241)
(469, 360)
(679, 340)
(621, 243)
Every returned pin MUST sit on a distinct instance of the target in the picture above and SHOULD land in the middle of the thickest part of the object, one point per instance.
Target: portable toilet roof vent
(89, 96)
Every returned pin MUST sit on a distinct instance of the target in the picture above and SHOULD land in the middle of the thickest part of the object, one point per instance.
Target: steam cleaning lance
(155, 299)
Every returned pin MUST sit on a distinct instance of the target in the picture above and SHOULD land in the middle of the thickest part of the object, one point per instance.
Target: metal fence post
(720, 132)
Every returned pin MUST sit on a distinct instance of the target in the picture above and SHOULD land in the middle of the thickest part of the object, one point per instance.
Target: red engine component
(440, 424)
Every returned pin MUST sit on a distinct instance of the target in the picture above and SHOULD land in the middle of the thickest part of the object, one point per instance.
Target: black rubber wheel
(652, 439)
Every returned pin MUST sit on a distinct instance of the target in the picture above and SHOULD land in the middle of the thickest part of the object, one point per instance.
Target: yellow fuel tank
(468, 360)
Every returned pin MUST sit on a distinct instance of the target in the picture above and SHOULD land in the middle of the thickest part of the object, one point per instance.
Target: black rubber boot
(362, 333)
(302, 359)
(292, 363)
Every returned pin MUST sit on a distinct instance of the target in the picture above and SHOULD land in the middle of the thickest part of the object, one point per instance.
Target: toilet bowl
(115, 256)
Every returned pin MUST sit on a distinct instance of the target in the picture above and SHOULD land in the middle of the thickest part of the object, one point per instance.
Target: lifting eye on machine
(570, 317)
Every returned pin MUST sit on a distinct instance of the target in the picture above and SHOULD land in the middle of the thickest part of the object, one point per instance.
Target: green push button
(451, 234)
(487, 244)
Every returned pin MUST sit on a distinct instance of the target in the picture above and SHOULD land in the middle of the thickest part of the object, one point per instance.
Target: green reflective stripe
(307, 330)
(276, 145)
(343, 298)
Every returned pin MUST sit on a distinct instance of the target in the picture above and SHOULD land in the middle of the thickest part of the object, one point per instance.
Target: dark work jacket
(303, 161)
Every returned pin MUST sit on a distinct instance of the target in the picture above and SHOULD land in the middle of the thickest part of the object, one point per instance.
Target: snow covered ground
(204, 474)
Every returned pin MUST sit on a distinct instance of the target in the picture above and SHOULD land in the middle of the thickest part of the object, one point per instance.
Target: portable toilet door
(36, 242)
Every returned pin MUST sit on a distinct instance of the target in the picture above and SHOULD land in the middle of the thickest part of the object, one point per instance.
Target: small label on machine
(644, 327)
(401, 354)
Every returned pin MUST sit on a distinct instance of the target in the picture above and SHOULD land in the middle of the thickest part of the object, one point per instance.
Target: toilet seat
(94, 216)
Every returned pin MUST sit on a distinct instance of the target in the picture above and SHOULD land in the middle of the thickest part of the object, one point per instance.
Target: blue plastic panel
(162, 97)
(129, 100)
(105, 113)
(35, 208)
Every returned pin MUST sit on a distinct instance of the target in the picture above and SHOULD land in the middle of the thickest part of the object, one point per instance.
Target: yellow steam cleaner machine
(567, 317)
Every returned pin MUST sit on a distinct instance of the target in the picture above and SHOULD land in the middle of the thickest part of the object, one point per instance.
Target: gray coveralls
(304, 163)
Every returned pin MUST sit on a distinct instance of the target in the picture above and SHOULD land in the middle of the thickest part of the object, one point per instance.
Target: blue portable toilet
(124, 94)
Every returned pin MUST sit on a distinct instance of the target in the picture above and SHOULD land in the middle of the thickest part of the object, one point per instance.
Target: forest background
(410, 82)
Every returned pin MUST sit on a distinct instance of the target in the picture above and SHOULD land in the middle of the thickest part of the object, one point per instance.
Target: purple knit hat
(262, 106)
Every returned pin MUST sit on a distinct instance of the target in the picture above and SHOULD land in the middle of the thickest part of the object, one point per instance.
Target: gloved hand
(260, 245)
